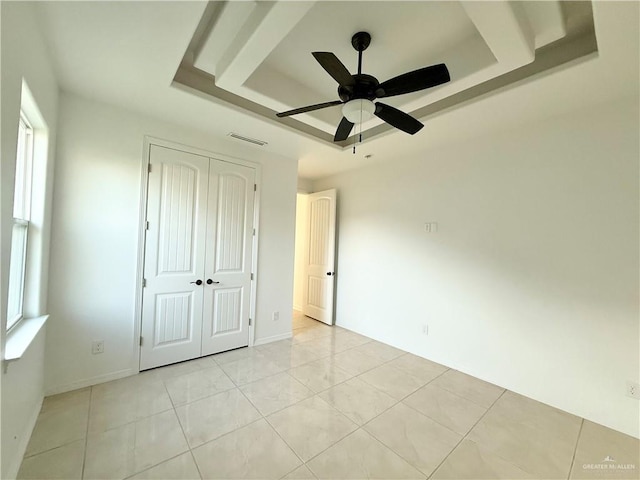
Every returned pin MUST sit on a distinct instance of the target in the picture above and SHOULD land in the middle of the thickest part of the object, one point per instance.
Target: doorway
(314, 266)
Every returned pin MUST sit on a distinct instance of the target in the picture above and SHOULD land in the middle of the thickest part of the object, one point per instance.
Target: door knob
(197, 282)
(211, 282)
(330, 273)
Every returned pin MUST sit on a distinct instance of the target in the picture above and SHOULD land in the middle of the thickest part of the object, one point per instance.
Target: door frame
(142, 232)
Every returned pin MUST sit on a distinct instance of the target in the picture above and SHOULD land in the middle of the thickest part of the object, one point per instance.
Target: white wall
(95, 238)
(302, 205)
(532, 280)
(305, 185)
(24, 55)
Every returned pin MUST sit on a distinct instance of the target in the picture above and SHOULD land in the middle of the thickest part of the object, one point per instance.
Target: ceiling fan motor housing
(365, 86)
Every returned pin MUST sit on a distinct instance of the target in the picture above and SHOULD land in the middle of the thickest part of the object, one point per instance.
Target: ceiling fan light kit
(358, 91)
(358, 111)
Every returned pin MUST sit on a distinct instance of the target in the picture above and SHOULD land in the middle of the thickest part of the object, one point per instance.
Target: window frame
(21, 222)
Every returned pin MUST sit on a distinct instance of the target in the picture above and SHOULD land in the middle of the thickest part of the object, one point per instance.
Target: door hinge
(144, 282)
(147, 225)
(252, 276)
(149, 168)
(254, 232)
(140, 340)
(255, 187)
(249, 322)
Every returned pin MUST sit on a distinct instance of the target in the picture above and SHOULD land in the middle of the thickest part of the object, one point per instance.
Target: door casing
(144, 176)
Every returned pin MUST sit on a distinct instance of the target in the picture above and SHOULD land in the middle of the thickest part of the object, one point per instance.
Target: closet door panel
(174, 257)
(228, 258)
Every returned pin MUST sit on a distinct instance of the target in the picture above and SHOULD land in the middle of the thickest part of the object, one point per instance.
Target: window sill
(20, 337)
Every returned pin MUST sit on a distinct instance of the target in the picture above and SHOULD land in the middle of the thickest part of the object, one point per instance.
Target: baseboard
(24, 442)
(273, 338)
(297, 307)
(87, 382)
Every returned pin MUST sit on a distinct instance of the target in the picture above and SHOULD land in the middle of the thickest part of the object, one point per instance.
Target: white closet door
(174, 257)
(227, 289)
(320, 275)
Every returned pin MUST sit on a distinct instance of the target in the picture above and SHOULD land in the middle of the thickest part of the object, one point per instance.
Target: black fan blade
(426, 77)
(309, 108)
(335, 68)
(343, 131)
(396, 118)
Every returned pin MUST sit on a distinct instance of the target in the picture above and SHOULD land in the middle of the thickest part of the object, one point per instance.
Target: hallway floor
(326, 404)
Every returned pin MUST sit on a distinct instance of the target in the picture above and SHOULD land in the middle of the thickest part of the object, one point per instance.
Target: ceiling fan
(358, 91)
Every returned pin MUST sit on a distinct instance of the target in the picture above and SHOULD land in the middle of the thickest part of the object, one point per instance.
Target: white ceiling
(127, 54)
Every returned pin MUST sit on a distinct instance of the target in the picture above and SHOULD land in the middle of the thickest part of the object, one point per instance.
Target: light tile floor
(327, 404)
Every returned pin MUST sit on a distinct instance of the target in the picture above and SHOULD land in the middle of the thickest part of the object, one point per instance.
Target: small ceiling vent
(262, 143)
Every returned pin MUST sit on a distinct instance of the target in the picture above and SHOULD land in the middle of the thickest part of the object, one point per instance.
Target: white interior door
(198, 257)
(227, 289)
(320, 265)
(174, 257)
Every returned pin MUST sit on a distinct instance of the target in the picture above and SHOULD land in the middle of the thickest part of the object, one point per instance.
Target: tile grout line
(436, 421)
(173, 407)
(400, 371)
(190, 450)
(276, 431)
(521, 465)
(285, 371)
(420, 413)
(286, 443)
(86, 435)
(359, 427)
(466, 435)
(467, 399)
(315, 394)
(193, 457)
(156, 464)
(263, 417)
(64, 443)
(575, 449)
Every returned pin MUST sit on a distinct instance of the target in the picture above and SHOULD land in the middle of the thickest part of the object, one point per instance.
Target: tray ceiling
(257, 55)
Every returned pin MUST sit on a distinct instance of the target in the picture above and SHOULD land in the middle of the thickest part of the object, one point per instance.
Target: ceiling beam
(506, 30)
(222, 24)
(265, 28)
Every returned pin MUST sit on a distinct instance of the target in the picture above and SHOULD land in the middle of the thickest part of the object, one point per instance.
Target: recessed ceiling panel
(264, 62)
(405, 36)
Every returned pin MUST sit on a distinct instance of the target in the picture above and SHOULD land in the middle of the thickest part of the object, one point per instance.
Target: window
(21, 216)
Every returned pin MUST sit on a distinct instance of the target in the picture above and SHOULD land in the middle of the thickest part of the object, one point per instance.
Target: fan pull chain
(359, 133)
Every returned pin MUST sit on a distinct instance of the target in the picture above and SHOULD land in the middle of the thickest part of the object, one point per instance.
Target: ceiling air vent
(247, 139)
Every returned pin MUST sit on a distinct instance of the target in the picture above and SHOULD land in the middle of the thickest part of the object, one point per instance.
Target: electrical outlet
(97, 347)
(276, 316)
(425, 329)
(633, 390)
(431, 227)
